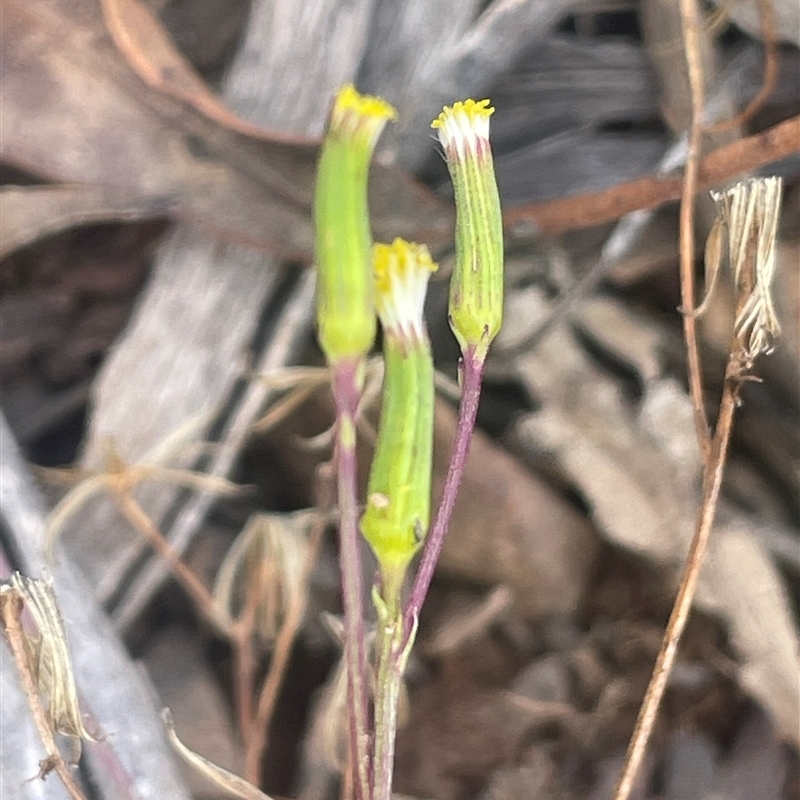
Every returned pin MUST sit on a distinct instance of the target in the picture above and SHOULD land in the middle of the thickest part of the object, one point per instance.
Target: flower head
(464, 129)
(476, 288)
(345, 285)
(359, 116)
(402, 270)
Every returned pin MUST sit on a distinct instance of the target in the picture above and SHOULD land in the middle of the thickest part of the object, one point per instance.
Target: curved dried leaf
(219, 777)
(61, 69)
(28, 213)
(150, 51)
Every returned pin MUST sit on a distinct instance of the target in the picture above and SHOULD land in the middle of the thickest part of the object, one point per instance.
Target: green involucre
(345, 287)
(398, 500)
(345, 283)
(476, 287)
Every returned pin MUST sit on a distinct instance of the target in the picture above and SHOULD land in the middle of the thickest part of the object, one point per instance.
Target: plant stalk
(391, 654)
(471, 379)
(712, 483)
(346, 394)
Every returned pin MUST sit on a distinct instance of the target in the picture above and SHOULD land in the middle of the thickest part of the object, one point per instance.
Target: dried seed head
(476, 288)
(749, 212)
(50, 656)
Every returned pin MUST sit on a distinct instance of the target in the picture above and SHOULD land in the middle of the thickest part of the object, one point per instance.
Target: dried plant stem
(712, 482)
(689, 18)
(346, 395)
(12, 626)
(191, 584)
(552, 217)
(769, 37)
(244, 655)
(258, 740)
(471, 379)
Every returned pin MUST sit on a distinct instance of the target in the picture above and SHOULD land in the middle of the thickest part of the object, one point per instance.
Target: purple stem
(471, 379)
(346, 395)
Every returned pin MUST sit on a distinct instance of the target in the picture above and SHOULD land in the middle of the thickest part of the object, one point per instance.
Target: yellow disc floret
(402, 270)
(464, 126)
(360, 114)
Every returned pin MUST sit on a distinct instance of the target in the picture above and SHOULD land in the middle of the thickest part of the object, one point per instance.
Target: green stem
(391, 653)
(346, 393)
(471, 380)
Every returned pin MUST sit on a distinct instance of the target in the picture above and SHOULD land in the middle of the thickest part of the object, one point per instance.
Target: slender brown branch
(244, 657)
(12, 626)
(553, 217)
(770, 39)
(750, 213)
(191, 584)
(688, 584)
(690, 24)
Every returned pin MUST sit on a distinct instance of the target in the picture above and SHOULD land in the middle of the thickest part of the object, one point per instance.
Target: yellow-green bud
(399, 494)
(345, 284)
(476, 287)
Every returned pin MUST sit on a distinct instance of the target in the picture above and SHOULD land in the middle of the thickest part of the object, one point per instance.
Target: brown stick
(690, 24)
(244, 656)
(191, 584)
(769, 37)
(553, 217)
(683, 602)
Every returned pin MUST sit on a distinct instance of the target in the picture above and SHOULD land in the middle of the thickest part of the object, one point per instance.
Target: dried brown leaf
(150, 51)
(28, 213)
(510, 527)
(636, 464)
(219, 777)
(98, 123)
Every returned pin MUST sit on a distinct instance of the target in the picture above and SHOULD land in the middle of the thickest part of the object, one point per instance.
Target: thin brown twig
(191, 584)
(770, 39)
(712, 484)
(12, 627)
(690, 24)
(553, 217)
(243, 655)
(259, 738)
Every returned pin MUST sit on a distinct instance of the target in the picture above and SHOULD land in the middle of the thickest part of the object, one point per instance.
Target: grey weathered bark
(183, 352)
(423, 55)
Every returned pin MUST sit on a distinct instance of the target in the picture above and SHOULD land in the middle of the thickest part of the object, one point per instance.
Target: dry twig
(749, 213)
(724, 164)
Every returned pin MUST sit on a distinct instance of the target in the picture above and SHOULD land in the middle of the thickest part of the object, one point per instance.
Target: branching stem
(471, 379)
